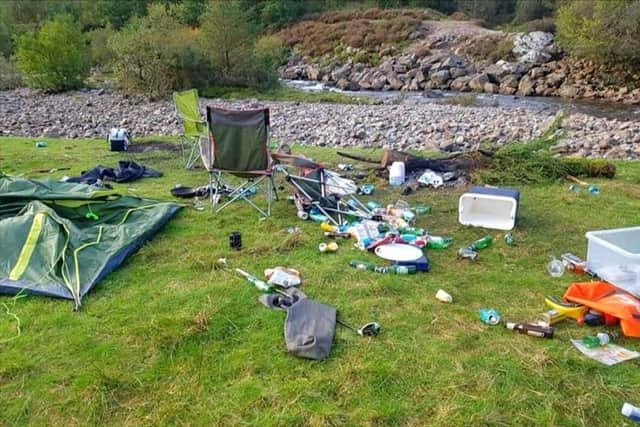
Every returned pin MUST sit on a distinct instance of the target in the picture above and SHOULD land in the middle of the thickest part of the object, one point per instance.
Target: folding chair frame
(362, 211)
(190, 144)
(217, 183)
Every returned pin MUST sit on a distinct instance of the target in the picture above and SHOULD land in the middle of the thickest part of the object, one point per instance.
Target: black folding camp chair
(237, 145)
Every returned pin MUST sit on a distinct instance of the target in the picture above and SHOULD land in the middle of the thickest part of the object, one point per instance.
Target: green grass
(282, 93)
(165, 339)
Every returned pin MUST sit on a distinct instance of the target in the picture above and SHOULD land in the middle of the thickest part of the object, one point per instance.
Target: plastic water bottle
(483, 242)
(396, 174)
(598, 340)
(437, 242)
(413, 230)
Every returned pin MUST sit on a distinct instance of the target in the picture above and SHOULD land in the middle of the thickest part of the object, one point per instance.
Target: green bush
(56, 58)
(9, 76)
(156, 54)
(603, 30)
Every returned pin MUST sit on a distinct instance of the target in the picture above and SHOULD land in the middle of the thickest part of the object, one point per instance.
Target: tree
(603, 30)
(227, 36)
(55, 58)
(156, 53)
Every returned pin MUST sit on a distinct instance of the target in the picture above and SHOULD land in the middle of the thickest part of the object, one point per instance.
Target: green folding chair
(237, 145)
(193, 127)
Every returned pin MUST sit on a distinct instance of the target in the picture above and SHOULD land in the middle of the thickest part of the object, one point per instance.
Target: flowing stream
(540, 104)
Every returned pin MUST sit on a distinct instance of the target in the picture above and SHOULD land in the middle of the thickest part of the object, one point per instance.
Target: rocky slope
(91, 114)
(461, 56)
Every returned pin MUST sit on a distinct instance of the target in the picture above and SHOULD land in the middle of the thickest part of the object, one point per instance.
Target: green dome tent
(59, 239)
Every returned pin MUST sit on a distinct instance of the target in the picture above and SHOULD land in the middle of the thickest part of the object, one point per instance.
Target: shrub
(491, 48)
(156, 54)
(9, 77)
(56, 58)
(606, 31)
(269, 54)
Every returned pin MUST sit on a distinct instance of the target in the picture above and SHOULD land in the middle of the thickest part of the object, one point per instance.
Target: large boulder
(453, 61)
(536, 47)
(345, 84)
(341, 72)
(461, 84)
(440, 78)
(314, 72)
(510, 81)
(378, 82)
(569, 91)
(477, 83)
(555, 79)
(458, 72)
(526, 86)
(394, 82)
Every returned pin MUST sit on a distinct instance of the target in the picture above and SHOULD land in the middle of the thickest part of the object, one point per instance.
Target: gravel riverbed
(90, 114)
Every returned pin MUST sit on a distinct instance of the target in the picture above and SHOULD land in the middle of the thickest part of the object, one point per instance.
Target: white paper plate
(398, 252)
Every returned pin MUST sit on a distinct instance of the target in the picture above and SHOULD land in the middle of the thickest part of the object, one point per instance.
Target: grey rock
(477, 83)
(440, 78)
(526, 85)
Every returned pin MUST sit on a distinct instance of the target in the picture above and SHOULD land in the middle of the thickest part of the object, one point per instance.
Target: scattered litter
(370, 329)
(283, 277)
(549, 317)
(443, 296)
(631, 412)
(598, 340)
(410, 186)
(555, 267)
(336, 234)
(396, 174)
(372, 205)
(609, 354)
(568, 309)
(260, 285)
(468, 253)
(392, 269)
(292, 230)
(573, 263)
(41, 144)
(328, 247)
(592, 189)
(303, 215)
(531, 329)
(421, 210)
(366, 189)
(574, 188)
(431, 179)
(509, 240)
(345, 166)
(235, 240)
(490, 316)
(438, 242)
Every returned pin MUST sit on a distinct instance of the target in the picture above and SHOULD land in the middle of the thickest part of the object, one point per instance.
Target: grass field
(166, 340)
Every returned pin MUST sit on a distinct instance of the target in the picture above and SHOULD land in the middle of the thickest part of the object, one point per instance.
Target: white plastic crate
(615, 256)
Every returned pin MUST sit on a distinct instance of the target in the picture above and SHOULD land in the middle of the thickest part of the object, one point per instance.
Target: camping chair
(193, 128)
(237, 145)
(314, 187)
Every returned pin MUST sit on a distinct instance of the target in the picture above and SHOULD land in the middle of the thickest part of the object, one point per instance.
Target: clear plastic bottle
(631, 412)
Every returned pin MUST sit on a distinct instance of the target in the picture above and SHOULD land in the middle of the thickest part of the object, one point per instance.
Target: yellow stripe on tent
(29, 247)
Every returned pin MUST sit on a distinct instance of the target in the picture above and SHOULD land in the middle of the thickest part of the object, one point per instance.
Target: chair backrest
(188, 107)
(237, 140)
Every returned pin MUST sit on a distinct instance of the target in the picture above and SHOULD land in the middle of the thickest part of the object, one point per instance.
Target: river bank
(90, 114)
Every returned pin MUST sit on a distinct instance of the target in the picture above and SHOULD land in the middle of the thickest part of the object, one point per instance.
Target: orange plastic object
(608, 299)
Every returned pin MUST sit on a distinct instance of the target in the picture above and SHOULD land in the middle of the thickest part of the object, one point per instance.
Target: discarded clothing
(126, 171)
(309, 327)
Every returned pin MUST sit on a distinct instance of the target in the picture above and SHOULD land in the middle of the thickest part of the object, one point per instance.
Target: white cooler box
(614, 255)
(488, 207)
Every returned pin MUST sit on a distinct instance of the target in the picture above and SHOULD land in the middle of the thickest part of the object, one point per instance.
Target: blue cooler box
(489, 207)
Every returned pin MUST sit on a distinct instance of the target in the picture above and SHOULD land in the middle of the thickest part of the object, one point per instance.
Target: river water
(539, 104)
